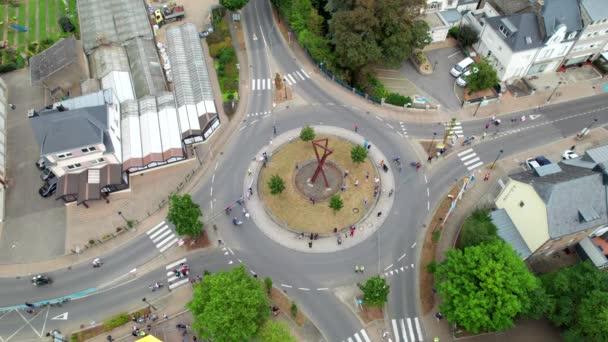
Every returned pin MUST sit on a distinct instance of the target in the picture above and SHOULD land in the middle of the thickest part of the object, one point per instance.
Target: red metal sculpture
(321, 160)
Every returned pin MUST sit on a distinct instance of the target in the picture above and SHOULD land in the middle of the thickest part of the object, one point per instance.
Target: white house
(593, 39)
(441, 15)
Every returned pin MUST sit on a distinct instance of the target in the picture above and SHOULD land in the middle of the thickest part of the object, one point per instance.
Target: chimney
(537, 8)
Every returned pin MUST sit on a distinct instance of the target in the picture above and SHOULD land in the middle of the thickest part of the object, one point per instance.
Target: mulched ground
(201, 242)
(370, 314)
(282, 301)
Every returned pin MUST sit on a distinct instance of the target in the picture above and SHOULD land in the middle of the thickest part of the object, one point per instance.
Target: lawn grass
(74, 14)
(31, 23)
(21, 21)
(295, 209)
(3, 20)
(12, 13)
(42, 33)
(52, 22)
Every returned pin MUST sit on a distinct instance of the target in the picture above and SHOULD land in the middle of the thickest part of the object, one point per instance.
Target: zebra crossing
(456, 129)
(162, 236)
(258, 114)
(395, 271)
(406, 329)
(261, 84)
(403, 130)
(359, 338)
(293, 77)
(470, 159)
(172, 280)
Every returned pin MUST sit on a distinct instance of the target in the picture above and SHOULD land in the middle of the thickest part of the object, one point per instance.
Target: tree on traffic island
(485, 287)
(375, 291)
(229, 306)
(276, 184)
(233, 5)
(185, 215)
(307, 133)
(336, 203)
(358, 154)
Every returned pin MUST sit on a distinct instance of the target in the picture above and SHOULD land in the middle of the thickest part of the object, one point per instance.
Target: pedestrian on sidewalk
(274, 129)
(379, 214)
(483, 136)
(12, 106)
(343, 187)
(356, 127)
(356, 181)
(487, 177)
(430, 159)
(249, 172)
(365, 202)
(346, 172)
(250, 191)
(310, 244)
(487, 125)
(366, 176)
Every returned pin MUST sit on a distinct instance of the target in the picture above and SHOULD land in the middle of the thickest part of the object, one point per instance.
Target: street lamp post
(285, 85)
(554, 90)
(592, 123)
(431, 145)
(495, 160)
(123, 217)
(150, 304)
(197, 157)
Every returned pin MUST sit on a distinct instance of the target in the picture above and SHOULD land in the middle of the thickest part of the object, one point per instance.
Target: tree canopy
(307, 133)
(273, 331)
(467, 36)
(276, 184)
(482, 77)
(485, 287)
(477, 228)
(233, 5)
(358, 154)
(185, 215)
(375, 291)
(336, 202)
(229, 306)
(578, 301)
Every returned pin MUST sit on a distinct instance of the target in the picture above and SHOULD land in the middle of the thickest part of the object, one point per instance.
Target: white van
(461, 67)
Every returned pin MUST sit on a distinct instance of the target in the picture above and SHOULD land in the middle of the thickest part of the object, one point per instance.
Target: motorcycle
(155, 286)
(97, 262)
(236, 221)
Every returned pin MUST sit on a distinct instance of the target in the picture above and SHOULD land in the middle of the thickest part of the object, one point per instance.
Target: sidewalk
(481, 195)
(507, 103)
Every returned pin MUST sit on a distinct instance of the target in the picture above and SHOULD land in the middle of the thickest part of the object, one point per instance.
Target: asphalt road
(311, 278)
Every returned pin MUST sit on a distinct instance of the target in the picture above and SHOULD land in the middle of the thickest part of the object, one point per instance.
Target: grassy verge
(52, 22)
(21, 21)
(42, 33)
(12, 17)
(3, 20)
(109, 324)
(74, 16)
(31, 22)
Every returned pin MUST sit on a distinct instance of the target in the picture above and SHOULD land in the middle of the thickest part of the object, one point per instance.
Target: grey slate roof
(597, 155)
(53, 59)
(567, 192)
(596, 9)
(451, 16)
(68, 130)
(592, 252)
(527, 34)
(509, 233)
(506, 7)
(556, 12)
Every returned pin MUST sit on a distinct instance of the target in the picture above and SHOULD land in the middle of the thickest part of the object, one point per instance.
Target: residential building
(593, 39)
(441, 15)
(554, 207)
(60, 67)
(80, 141)
(110, 65)
(196, 108)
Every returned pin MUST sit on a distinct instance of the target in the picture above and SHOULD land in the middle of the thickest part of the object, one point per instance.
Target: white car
(462, 80)
(532, 163)
(569, 154)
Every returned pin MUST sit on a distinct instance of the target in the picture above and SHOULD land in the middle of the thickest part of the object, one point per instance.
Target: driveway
(440, 85)
(34, 227)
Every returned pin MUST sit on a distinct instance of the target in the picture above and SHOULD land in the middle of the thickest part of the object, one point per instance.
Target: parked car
(542, 160)
(66, 24)
(461, 67)
(47, 174)
(569, 154)
(532, 163)
(40, 280)
(462, 80)
(48, 188)
(41, 164)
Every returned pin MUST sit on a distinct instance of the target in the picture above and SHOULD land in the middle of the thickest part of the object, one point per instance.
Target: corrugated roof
(527, 35)
(53, 59)
(564, 193)
(556, 12)
(106, 59)
(592, 252)
(548, 169)
(146, 72)
(597, 155)
(596, 9)
(509, 233)
(120, 83)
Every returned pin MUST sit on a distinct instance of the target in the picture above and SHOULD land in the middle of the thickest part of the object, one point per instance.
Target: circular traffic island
(303, 205)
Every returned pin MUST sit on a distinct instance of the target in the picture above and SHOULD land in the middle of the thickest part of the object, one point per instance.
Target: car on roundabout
(569, 154)
(41, 280)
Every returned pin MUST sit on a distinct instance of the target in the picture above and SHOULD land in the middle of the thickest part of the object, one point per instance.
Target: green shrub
(431, 267)
(8, 67)
(477, 229)
(453, 32)
(398, 99)
(268, 284)
(294, 309)
(230, 71)
(436, 235)
(420, 57)
(377, 88)
(226, 55)
(216, 48)
(116, 321)
(228, 85)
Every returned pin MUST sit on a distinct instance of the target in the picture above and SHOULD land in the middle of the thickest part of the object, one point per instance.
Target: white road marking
(403, 332)
(259, 83)
(153, 232)
(409, 325)
(179, 283)
(389, 266)
(291, 79)
(401, 257)
(414, 245)
(365, 337)
(269, 84)
(465, 152)
(216, 165)
(300, 75)
(252, 84)
(254, 121)
(212, 178)
(62, 317)
(428, 192)
(379, 118)
(284, 285)
(395, 330)
(468, 156)
(418, 330)
(426, 180)
(304, 72)
(211, 192)
(474, 166)
(303, 288)
(389, 125)
(322, 289)
(468, 162)
(358, 338)
(454, 54)
(242, 128)
(428, 205)
(170, 266)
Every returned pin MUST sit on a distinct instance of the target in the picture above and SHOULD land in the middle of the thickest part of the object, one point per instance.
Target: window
(435, 5)
(572, 35)
(88, 149)
(64, 155)
(97, 161)
(74, 166)
(504, 30)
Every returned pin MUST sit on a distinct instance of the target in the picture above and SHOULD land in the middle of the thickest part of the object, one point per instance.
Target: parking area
(440, 85)
(198, 12)
(34, 227)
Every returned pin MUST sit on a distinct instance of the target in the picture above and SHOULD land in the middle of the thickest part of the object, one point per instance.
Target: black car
(40, 280)
(66, 24)
(47, 175)
(48, 188)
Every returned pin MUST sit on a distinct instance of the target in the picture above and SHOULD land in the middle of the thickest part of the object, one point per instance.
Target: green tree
(477, 228)
(358, 154)
(185, 215)
(229, 306)
(233, 5)
(276, 184)
(375, 291)
(273, 331)
(482, 77)
(578, 300)
(307, 133)
(485, 287)
(336, 203)
(467, 36)
(354, 35)
(268, 284)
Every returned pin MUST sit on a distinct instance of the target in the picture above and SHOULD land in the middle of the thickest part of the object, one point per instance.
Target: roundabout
(297, 218)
